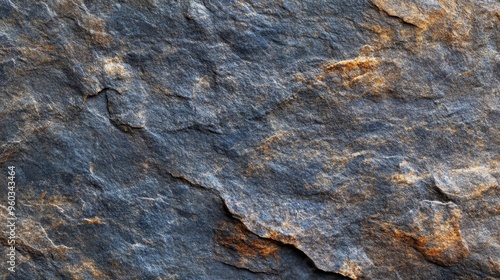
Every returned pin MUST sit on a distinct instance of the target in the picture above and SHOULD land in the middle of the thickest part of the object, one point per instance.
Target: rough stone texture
(253, 139)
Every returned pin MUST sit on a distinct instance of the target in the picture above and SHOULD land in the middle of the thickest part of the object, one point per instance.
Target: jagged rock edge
(240, 219)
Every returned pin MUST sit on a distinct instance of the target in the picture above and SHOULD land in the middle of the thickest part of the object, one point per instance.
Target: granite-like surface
(252, 139)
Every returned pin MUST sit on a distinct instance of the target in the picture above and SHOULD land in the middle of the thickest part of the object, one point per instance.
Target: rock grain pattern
(248, 139)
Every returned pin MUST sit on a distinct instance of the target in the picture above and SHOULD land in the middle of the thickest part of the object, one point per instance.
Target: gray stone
(252, 139)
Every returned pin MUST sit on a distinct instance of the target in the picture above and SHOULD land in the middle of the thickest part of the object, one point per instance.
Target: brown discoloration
(441, 20)
(411, 12)
(359, 63)
(87, 266)
(436, 234)
(265, 146)
(447, 249)
(385, 35)
(163, 90)
(92, 26)
(351, 270)
(364, 74)
(494, 164)
(94, 221)
(253, 169)
(39, 52)
(300, 78)
(236, 237)
(97, 32)
(33, 239)
(57, 201)
(405, 179)
(495, 265)
(275, 235)
(6, 154)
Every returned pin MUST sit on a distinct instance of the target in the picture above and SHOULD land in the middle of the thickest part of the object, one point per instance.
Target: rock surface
(252, 139)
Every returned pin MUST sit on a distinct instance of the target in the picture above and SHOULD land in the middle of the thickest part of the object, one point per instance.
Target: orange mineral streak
(365, 74)
(268, 142)
(405, 179)
(445, 246)
(440, 20)
(94, 221)
(361, 63)
(239, 239)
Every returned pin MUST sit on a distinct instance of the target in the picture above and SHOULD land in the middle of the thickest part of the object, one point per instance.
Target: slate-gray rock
(253, 139)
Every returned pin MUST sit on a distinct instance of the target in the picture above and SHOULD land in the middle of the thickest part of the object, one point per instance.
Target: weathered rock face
(253, 139)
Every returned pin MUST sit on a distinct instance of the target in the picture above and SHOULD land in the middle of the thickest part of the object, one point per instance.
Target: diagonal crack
(240, 219)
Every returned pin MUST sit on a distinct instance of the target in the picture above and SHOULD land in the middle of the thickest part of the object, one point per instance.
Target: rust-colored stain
(370, 75)
(268, 142)
(58, 201)
(434, 232)
(444, 20)
(39, 51)
(360, 63)
(405, 179)
(351, 270)
(236, 237)
(92, 26)
(365, 73)
(87, 266)
(275, 235)
(94, 221)
(163, 90)
(446, 248)
(4, 157)
(386, 35)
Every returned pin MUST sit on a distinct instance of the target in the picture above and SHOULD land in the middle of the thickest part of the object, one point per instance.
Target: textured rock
(253, 139)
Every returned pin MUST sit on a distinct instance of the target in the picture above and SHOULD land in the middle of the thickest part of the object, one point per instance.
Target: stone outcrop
(251, 139)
